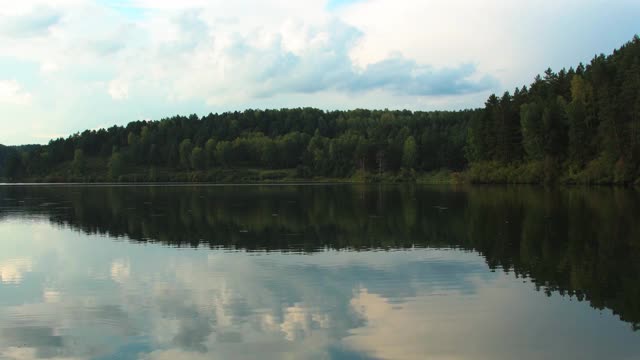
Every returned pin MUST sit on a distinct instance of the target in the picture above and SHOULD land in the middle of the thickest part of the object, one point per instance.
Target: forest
(575, 126)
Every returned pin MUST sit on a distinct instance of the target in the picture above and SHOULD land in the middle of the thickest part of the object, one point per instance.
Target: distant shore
(479, 175)
(241, 176)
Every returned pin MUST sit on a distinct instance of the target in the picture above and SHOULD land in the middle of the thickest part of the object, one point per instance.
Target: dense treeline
(311, 141)
(579, 125)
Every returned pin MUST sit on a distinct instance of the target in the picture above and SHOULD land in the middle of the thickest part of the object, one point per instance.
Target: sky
(71, 65)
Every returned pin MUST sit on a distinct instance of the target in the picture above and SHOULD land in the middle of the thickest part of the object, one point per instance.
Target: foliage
(579, 125)
(583, 124)
(320, 144)
(116, 166)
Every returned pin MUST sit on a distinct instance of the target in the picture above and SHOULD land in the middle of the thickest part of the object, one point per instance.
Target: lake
(319, 272)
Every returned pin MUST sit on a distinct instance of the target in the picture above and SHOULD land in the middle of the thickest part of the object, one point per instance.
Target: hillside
(580, 125)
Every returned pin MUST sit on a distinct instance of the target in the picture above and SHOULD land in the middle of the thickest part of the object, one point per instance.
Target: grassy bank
(597, 172)
(95, 170)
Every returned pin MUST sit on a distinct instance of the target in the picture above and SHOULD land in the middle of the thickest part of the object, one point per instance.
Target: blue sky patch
(334, 4)
(125, 7)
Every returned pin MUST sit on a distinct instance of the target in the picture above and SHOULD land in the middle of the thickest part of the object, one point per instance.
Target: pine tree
(577, 116)
(532, 130)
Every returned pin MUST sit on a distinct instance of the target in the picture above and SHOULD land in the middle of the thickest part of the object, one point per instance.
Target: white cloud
(512, 40)
(165, 57)
(37, 22)
(49, 67)
(118, 89)
(48, 136)
(11, 92)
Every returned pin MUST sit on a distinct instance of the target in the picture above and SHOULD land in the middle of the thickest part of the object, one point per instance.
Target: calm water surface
(318, 272)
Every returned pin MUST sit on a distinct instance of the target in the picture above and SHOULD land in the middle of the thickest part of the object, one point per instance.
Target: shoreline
(476, 175)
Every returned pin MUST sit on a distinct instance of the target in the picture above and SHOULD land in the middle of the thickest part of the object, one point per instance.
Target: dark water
(319, 272)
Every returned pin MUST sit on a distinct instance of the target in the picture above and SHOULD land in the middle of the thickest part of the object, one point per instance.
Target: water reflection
(11, 270)
(303, 295)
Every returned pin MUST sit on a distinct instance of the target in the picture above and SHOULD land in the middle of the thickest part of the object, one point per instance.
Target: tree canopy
(579, 125)
(315, 142)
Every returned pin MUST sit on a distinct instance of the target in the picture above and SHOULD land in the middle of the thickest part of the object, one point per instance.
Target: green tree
(223, 152)
(509, 133)
(145, 135)
(628, 108)
(532, 130)
(577, 116)
(268, 153)
(116, 166)
(197, 158)
(409, 153)
(555, 127)
(210, 152)
(134, 148)
(482, 136)
(79, 162)
(361, 154)
(185, 149)
(132, 139)
(318, 150)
